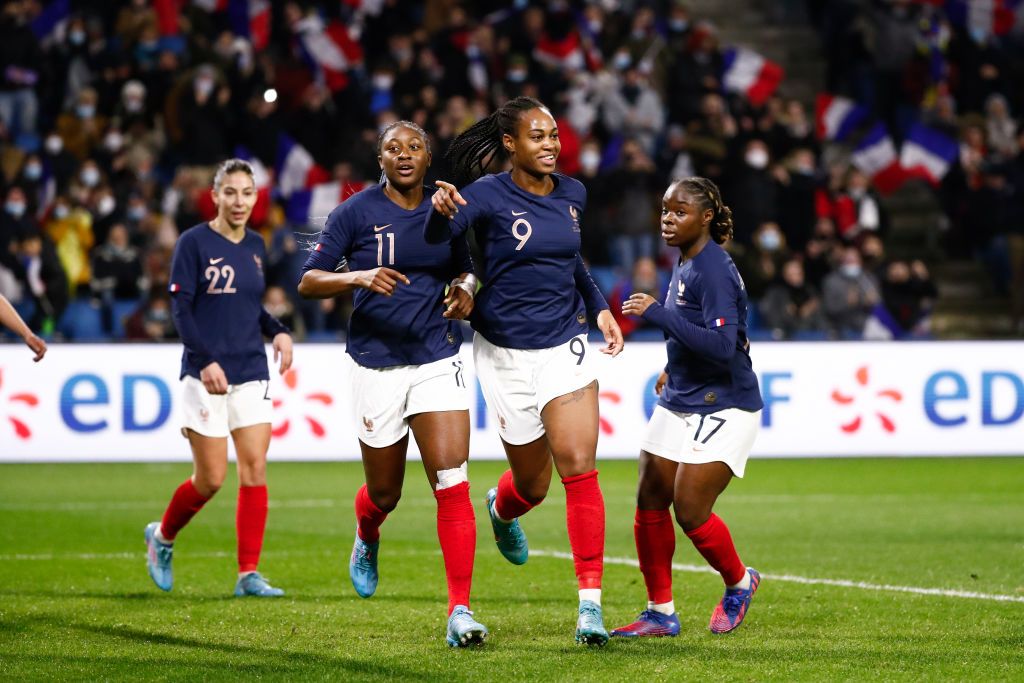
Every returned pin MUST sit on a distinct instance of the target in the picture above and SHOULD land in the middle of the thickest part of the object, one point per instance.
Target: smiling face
(684, 219)
(535, 146)
(404, 157)
(235, 198)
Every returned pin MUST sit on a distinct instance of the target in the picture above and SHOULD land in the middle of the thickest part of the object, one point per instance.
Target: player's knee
(653, 496)
(208, 483)
(386, 501)
(534, 492)
(691, 515)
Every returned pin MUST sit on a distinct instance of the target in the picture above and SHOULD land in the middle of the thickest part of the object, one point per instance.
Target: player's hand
(660, 383)
(37, 345)
(637, 303)
(447, 199)
(283, 350)
(214, 379)
(381, 280)
(458, 304)
(612, 334)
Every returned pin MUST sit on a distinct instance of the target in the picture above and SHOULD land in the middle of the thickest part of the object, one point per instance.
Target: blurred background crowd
(113, 117)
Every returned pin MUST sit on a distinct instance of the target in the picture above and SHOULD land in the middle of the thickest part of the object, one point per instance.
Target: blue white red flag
(836, 117)
(748, 73)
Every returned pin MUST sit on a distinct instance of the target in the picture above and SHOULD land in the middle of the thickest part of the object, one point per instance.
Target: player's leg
(697, 488)
(206, 429)
(571, 423)
(654, 533)
(251, 445)
(443, 441)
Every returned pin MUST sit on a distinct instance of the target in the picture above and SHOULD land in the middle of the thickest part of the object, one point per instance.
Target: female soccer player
(705, 422)
(10, 319)
(216, 287)
(404, 342)
(530, 347)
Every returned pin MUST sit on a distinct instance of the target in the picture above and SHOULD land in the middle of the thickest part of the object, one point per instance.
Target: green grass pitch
(76, 602)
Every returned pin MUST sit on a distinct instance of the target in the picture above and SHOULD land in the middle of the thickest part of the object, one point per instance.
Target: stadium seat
(121, 309)
(605, 278)
(82, 322)
(810, 335)
(322, 337)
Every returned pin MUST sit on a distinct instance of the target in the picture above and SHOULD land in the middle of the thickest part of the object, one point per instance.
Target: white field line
(808, 581)
(89, 506)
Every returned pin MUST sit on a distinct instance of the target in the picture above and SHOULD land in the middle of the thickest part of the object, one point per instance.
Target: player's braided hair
(470, 153)
(711, 198)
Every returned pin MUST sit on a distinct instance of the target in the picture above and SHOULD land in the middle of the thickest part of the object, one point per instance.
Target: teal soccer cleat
(254, 585)
(590, 628)
(464, 630)
(508, 535)
(158, 559)
(362, 567)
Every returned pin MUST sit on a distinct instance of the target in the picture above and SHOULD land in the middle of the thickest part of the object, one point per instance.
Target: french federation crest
(259, 263)
(575, 218)
(680, 288)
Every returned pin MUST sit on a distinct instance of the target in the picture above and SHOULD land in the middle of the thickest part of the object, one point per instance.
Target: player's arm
(597, 306)
(10, 319)
(184, 278)
(452, 216)
(458, 302)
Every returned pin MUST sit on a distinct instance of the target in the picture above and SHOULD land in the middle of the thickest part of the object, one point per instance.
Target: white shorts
(518, 383)
(692, 438)
(383, 399)
(218, 415)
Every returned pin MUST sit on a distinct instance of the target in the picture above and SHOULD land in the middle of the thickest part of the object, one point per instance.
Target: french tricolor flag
(296, 169)
(49, 25)
(748, 73)
(173, 287)
(312, 206)
(718, 322)
(251, 18)
(991, 16)
(928, 154)
(562, 53)
(876, 156)
(836, 117)
(328, 49)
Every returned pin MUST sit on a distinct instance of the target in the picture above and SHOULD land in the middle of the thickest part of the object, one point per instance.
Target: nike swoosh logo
(376, 229)
(521, 213)
(215, 261)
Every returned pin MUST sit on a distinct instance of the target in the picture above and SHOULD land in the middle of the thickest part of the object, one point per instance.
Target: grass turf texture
(934, 523)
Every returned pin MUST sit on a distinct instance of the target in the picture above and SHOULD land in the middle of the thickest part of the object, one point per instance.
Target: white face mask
(590, 159)
(383, 81)
(204, 86)
(54, 144)
(90, 177)
(113, 141)
(850, 270)
(770, 240)
(106, 205)
(60, 211)
(85, 111)
(757, 158)
(33, 171)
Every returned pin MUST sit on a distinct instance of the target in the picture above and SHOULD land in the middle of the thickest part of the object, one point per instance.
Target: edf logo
(83, 394)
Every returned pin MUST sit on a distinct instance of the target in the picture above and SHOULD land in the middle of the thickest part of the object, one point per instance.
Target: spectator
(753, 181)
(152, 320)
(635, 110)
(82, 127)
(117, 268)
(20, 58)
(277, 304)
(636, 187)
(762, 261)
(646, 279)
(849, 295)
(205, 119)
(907, 298)
(791, 305)
(70, 229)
(44, 279)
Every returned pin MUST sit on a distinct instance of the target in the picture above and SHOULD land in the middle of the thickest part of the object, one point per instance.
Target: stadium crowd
(114, 115)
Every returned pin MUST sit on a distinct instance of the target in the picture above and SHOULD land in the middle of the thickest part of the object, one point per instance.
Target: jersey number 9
(522, 234)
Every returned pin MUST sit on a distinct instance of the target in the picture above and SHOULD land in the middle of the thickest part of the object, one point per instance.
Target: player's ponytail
(711, 198)
(478, 146)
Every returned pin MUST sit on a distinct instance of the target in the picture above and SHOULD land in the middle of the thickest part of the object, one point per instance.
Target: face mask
(54, 144)
(678, 25)
(16, 209)
(278, 310)
(33, 171)
(850, 270)
(85, 111)
(204, 86)
(76, 37)
(856, 192)
(113, 141)
(517, 75)
(60, 211)
(90, 177)
(158, 315)
(137, 213)
(622, 60)
(133, 105)
(757, 158)
(383, 82)
(106, 205)
(803, 170)
(979, 35)
(590, 160)
(770, 241)
(402, 55)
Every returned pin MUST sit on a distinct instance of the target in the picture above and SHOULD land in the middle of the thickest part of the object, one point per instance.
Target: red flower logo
(614, 397)
(291, 381)
(846, 399)
(21, 430)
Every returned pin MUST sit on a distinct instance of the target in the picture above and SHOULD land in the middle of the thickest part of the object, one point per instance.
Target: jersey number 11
(380, 248)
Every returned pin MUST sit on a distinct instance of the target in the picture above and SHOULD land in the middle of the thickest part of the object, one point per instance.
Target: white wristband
(464, 286)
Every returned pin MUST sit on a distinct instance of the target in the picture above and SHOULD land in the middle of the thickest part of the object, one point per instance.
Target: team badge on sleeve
(718, 322)
(174, 287)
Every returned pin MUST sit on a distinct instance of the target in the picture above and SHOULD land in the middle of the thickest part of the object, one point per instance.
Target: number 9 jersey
(217, 289)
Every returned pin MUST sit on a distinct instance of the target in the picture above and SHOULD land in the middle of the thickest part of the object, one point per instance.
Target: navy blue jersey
(536, 284)
(407, 328)
(705, 322)
(217, 287)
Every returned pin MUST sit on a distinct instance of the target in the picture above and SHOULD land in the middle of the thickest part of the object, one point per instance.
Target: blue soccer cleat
(590, 628)
(158, 558)
(254, 585)
(650, 624)
(362, 567)
(508, 535)
(730, 611)
(463, 629)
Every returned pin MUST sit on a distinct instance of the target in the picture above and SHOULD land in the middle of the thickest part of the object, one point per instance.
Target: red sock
(456, 530)
(185, 503)
(369, 517)
(655, 536)
(714, 542)
(250, 522)
(584, 518)
(509, 504)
